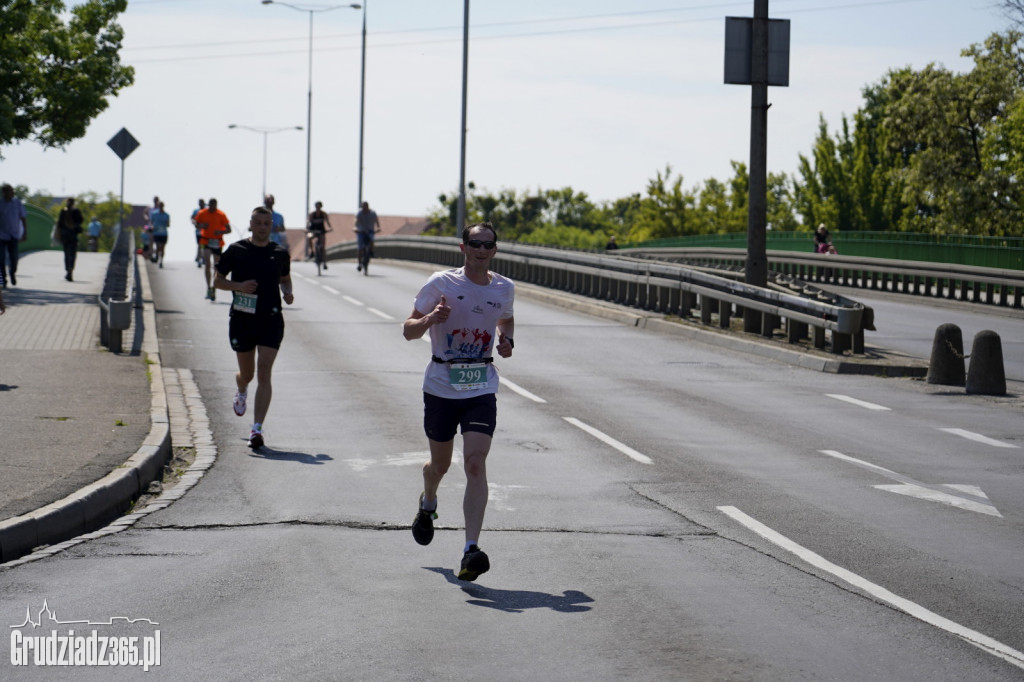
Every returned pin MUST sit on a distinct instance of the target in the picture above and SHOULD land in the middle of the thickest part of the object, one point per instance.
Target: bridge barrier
(117, 300)
(664, 287)
(991, 286)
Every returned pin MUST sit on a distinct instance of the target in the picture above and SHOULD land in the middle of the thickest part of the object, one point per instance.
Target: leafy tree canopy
(57, 69)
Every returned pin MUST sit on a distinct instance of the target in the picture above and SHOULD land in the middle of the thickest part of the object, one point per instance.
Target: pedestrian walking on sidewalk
(461, 309)
(69, 226)
(94, 230)
(13, 229)
(260, 276)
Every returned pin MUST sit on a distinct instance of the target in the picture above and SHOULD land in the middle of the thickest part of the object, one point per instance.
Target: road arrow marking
(970, 497)
(977, 437)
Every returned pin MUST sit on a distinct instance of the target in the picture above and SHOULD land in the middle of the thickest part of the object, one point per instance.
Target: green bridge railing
(990, 252)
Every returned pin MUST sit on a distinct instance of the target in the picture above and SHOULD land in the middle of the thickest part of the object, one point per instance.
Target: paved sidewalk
(71, 412)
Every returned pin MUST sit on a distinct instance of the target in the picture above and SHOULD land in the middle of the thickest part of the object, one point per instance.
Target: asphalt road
(660, 509)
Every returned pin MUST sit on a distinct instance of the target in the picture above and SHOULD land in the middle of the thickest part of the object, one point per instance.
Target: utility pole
(756, 272)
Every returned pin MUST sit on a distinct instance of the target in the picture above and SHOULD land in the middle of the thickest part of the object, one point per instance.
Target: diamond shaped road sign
(123, 143)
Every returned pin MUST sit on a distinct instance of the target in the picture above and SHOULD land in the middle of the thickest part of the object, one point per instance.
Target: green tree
(955, 130)
(666, 211)
(57, 70)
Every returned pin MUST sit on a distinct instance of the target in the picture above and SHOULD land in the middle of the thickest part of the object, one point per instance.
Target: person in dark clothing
(260, 277)
(69, 226)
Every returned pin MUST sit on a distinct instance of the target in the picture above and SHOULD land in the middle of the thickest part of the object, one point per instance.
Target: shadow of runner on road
(516, 601)
(285, 456)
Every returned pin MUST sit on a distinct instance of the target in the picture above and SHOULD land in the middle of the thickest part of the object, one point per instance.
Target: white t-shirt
(469, 332)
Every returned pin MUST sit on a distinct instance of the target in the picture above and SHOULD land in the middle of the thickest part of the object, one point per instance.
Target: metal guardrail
(991, 286)
(117, 300)
(668, 288)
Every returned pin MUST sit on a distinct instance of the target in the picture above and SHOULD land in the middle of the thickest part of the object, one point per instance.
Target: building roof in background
(344, 230)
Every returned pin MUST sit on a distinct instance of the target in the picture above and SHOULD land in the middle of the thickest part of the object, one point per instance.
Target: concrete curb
(98, 503)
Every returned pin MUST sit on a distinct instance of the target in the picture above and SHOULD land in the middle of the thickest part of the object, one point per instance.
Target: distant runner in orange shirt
(213, 225)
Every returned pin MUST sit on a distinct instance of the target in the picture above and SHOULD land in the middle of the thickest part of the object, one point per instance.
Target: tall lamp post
(309, 100)
(460, 212)
(362, 108)
(266, 132)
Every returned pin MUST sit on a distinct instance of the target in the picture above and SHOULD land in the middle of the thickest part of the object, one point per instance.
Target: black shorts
(443, 416)
(215, 250)
(248, 331)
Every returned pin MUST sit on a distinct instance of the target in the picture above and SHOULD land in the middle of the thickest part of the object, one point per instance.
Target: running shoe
(213, 294)
(239, 403)
(423, 524)
(255, 439)
(474, 562)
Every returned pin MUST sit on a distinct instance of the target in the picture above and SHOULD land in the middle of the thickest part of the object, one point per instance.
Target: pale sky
(589, 94)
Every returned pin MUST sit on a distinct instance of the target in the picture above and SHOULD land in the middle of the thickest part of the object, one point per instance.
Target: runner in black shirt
(260, 276)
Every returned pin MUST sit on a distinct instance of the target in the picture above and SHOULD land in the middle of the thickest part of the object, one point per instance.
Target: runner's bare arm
(418, 323)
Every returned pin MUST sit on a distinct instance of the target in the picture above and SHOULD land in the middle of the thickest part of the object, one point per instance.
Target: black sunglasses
(476, 244)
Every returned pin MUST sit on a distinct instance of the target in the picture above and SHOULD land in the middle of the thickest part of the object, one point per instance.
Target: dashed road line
(860, 403)
(983, 642)
(520, 390)
(381, 314)
(624, 449)
(353, 301)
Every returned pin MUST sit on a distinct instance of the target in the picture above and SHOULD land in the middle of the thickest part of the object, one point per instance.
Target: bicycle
(365, 254)
(318, 249)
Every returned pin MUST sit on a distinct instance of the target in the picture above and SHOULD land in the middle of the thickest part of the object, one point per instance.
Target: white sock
(258, 427)
(469, 543)
(430, 505)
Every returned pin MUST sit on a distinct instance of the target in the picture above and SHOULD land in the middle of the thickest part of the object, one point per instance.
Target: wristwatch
(511, 342)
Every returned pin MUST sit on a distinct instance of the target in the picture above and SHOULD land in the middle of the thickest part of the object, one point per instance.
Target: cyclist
(317, 226)
(366, 225)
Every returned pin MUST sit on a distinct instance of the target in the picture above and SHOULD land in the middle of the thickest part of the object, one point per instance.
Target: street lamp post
(362, 108)
(460, 220)
(266, 132)
(309, 100)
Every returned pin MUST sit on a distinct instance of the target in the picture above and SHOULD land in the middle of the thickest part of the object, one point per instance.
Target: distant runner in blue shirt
(160, 221)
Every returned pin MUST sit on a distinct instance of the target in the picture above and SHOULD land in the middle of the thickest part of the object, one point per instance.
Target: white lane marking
(972, 498)
(331, 290)
(624, 449)
(854, 401)
(977, 437)
(353, 301)
(983, 642)
(381, 314)
(520, 390)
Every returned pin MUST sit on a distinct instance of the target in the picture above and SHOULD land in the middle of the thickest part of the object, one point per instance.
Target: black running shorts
(248, 331)
(442, 417)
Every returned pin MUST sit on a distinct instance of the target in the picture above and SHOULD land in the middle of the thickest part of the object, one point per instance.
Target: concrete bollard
(986, 375)
(946, 366)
